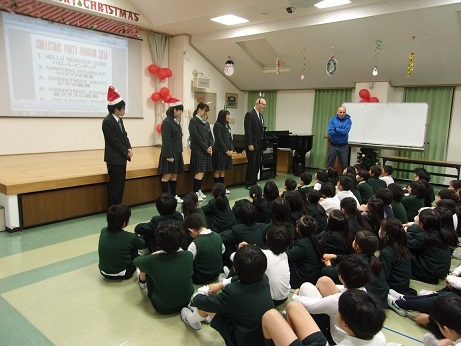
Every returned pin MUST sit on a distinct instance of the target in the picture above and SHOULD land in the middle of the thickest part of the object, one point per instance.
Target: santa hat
(113, 97)
(174, 102)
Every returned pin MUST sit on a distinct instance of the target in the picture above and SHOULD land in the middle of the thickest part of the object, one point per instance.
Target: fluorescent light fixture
(229, 19)
(331, 3)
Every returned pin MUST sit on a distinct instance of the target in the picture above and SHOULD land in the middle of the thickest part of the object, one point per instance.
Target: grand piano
(301, 144)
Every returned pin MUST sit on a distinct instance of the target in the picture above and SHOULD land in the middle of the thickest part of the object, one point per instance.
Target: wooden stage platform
(41, 188)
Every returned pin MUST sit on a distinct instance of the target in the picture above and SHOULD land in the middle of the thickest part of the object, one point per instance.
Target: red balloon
(364, 93)
(155, 97)
(164, 92)
(159, 128)
(364, 101)
(169, 73)
(373, 99)
(166, 98)
(162, 74)
(153, 68)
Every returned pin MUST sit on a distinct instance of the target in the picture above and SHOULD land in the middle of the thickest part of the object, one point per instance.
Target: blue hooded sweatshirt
(338, 129)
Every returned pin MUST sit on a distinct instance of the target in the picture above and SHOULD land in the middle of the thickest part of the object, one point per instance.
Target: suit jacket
(116, 142)
(254, 131)
(200, 134)
(171, 137)
(222, 137)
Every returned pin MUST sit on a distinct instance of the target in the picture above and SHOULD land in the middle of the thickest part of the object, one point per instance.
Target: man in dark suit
(254, 135)
(117, 147)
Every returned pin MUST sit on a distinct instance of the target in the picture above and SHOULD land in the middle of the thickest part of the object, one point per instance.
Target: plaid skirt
(221, 161)
(200, 161)
(175, 167)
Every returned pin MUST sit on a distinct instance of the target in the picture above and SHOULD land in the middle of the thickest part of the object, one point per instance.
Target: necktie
(120, 124)
(261, 120)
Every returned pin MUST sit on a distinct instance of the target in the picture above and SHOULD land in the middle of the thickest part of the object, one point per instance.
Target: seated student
(421, 174)
(290, 185)
(256, 195)
(454, 185)
(323, 298)
(344, 187)
(168, 271)
(429, 244)
(333, 175)
(237, 311)
(248, 230)
(396, 204)
(270, 192)
(207, 249)
(321, 177)
(191, 206)
(359, 167)
(450, 205)
(365, 189)
(355, 220)
(305, 256)
(374, 181)
(280, 216)
(305, 179)
(117, 248)
(386, 196)
(349, 169)
(337, 239)
(315, 210)
(446, 312)
(278, 270)
(354, 189)
(297, 206)
(166, 205)
(386, 173)
(359, 315)
(394, 256)
(330, 201)
(219, 216)
(373, 213)
(414, 201)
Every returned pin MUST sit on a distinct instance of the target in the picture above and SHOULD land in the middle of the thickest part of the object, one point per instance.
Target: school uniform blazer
(218, 220)
(222, 138)
(321, 219)
(252, 234)
(305, 264)
(396, 272)
(254, 131)
(412, 204)
(116, 142)
(399, 212)
(200, 134)
(171, 137)
(366, 191)
(244, 304)
(376, 183)
(333, 242)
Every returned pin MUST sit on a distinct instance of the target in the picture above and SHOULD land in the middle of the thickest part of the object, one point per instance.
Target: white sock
(194, 317)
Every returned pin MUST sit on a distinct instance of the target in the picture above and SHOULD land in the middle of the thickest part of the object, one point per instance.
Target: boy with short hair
(386, 196)
(207, 249)
(290, 185)
(359, 314)
(446, 312)
(374, 181)
(168, 271)
(166, 205)
(236, 312)
(329, 201)
(345, 185)
(365, 189)
(117, 248)
(386, 172)
(305, 179)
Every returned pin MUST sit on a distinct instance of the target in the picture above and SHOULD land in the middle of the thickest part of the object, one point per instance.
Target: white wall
(295, 111)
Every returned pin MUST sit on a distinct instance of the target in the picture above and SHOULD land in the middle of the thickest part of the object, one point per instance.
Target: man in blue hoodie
(338, 130)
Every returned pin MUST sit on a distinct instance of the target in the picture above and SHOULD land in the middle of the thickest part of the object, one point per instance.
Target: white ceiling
(351, 29)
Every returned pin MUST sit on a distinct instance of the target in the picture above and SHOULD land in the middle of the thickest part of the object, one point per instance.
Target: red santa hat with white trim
(174, 102)
(113, 97)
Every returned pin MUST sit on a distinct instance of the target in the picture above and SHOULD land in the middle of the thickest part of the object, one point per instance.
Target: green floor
(51, 292)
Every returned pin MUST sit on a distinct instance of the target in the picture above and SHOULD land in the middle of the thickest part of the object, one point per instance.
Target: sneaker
(412, 314)
(199, 197)
(143, 285)
(226, 271)
(178, 199)
(425, 292)
(185, 312)
(396, 294)
(227, 191)
(391, 303)
(207, 320)
(201, 194)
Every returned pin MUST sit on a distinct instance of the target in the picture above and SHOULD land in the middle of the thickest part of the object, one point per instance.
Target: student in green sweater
(305, 179)
(315, 210)
(365, 189)
(374, 181)
(219, 216)
(414, 201)
(207, 249)
(396, 204)
(117, 248)
(168, 271)
(236, 311)
(166, 205)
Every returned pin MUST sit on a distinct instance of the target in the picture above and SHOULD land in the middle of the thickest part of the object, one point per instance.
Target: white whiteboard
(388, 124)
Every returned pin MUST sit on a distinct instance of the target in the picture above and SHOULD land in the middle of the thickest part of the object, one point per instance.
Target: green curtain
(326, 104)
(269, 112)
(440, 101)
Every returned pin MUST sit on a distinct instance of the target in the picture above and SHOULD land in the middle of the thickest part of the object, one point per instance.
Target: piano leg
(298, 162)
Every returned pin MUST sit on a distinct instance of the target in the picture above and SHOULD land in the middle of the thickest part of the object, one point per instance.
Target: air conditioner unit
(200, 82)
